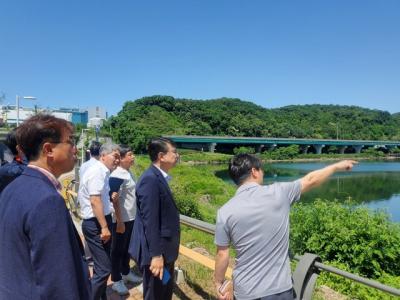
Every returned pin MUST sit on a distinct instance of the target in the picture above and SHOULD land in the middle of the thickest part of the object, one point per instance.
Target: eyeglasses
(174, 152)
(71, 142)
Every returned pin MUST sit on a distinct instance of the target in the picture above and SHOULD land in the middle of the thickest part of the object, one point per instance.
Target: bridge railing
(307, 270)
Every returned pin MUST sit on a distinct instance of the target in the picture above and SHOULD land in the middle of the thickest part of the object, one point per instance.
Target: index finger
(352, 163)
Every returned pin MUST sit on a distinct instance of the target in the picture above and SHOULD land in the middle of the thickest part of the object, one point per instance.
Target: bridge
(210, 143)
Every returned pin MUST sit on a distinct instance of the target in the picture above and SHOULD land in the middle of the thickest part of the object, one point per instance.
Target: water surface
(373, 184)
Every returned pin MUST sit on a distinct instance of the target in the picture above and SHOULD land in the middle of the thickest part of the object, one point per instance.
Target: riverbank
(192, 157)
(358, 237)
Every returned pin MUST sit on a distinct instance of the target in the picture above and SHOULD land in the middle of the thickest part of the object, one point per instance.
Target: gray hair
(108, 148)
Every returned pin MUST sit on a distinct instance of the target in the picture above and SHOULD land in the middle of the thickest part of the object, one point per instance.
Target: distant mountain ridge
(152, 116)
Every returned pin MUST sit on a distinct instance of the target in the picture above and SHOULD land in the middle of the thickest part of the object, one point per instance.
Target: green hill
(152, 116)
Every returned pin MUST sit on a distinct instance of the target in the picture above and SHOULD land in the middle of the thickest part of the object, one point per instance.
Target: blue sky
(274, 53)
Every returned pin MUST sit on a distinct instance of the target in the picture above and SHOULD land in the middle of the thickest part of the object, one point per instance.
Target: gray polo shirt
(256, 222)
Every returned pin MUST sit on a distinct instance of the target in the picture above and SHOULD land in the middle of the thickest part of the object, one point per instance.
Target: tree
(144, 118)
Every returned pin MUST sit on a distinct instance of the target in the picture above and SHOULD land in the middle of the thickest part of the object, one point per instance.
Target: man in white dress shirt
(94, 157)
(96, 210)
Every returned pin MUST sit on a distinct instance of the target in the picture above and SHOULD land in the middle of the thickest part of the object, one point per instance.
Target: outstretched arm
(317, 177)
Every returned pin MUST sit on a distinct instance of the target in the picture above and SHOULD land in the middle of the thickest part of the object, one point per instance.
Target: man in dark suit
(11, 170)
(41, 254)
(155, 239)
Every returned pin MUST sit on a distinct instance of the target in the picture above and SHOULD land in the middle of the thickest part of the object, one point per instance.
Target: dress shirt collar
(93, 160)
(104, 168)
(164, 174)
(49, 175)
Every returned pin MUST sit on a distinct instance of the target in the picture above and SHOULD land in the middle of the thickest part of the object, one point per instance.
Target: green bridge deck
(278, 141)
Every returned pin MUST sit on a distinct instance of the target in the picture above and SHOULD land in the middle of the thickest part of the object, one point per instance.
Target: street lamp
(82, 143)
(337, 128)
(17, 104)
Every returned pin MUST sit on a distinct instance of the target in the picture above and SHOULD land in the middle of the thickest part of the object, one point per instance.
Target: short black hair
(158, 145)
(39, 129)
(11, 141)
(240, 167)
(124, 149)
(95, 148)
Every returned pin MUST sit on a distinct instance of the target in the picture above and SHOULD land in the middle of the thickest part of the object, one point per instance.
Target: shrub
(281, 153)
(188, 207)
(365, 242)
(243, 150)
(373, 152)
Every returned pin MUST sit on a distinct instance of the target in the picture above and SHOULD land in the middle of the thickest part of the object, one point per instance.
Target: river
(375, 184)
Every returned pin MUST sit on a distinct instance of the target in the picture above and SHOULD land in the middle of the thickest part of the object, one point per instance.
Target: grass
(198, 186)
(203, 157)
(196, 189)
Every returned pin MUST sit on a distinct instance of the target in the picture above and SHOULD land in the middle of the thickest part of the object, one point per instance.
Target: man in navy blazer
(156, 234)
(41, 254)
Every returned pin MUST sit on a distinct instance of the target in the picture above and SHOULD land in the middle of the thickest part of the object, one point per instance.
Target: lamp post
(82, 144)
(337, 128)
(17, 104)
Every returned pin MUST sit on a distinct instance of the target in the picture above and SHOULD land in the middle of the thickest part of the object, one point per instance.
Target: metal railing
(307, 269)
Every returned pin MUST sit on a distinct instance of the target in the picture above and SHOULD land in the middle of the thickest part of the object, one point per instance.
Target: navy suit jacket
(156, 229)
(40, 253)
(10, 171)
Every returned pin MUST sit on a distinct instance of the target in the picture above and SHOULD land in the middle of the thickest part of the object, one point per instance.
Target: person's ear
(47, 149)
(160, 156)
(254, 173)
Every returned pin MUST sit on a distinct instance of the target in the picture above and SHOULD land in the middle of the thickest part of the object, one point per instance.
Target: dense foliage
(160, 115)
(368, 243)
(351, 238)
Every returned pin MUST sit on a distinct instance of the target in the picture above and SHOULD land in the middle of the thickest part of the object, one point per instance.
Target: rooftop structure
(90, 117)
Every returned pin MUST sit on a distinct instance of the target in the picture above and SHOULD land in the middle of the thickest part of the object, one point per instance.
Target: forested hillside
(157, 115)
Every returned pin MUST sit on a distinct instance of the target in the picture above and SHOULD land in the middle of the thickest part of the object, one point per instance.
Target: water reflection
(362, 188)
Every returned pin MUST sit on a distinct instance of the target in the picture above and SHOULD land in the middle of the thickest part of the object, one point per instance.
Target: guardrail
(307, 270)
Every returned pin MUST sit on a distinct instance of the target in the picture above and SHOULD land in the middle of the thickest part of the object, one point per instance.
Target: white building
(93, 117)
(96, 116)
(62, 115)
(8, 114)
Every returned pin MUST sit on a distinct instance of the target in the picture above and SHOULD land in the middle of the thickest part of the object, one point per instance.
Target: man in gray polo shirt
(256, 223)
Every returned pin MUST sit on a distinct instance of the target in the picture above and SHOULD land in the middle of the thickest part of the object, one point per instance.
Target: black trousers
(286, 295)
(119, 251)
(101, 255)
(153, 288)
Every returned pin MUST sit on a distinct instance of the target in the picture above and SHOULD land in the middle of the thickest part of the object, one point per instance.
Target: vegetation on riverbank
(353, 239)
(290, 153)
(197, 191)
